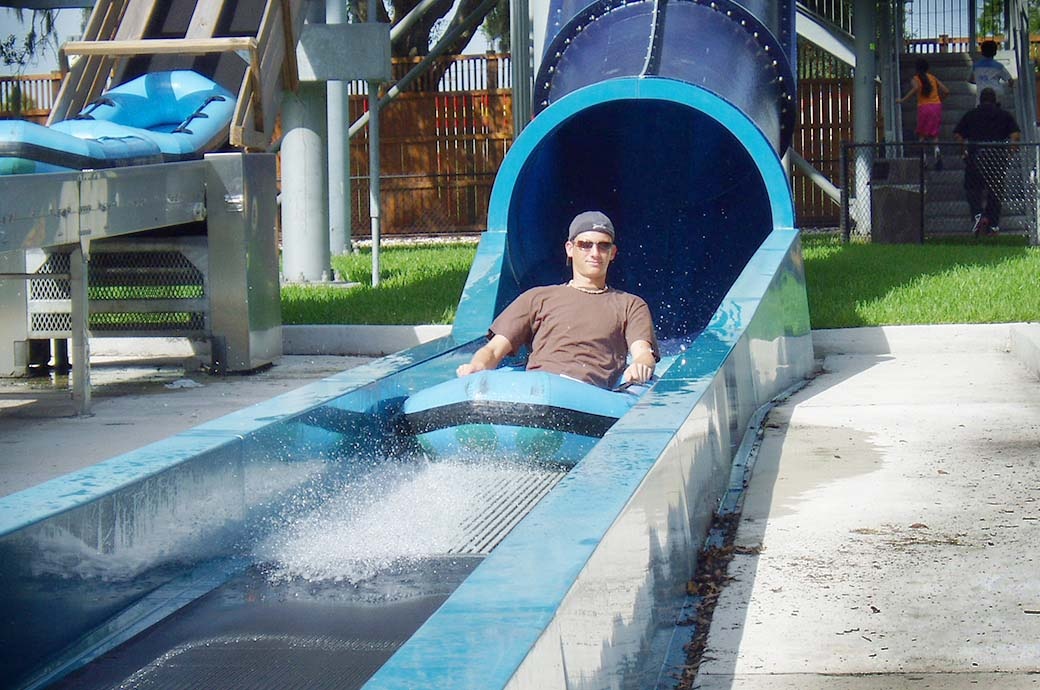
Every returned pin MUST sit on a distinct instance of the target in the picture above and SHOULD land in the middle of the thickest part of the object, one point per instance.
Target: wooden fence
(28, 97)
(441, 148)
(439, 153)
(824, 122)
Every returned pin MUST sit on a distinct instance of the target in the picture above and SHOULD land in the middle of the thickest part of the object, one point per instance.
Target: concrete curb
(888, 340)
(1025, 345)
(365, 341)
(371, 341)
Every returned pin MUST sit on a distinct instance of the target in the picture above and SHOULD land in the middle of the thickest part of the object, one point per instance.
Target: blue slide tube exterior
(718, 45)
(692, 185)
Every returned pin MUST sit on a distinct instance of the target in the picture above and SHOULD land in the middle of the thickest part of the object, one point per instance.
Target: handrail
(157, 46)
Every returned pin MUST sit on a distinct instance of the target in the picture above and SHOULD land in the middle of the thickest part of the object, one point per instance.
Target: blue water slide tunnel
(668, 116)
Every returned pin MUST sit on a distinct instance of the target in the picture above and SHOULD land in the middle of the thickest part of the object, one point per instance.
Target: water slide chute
(671, 117)
(582, 591)
(160, 117)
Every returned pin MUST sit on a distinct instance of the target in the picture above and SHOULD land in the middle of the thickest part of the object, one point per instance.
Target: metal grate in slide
(505, 503)
(265, 661)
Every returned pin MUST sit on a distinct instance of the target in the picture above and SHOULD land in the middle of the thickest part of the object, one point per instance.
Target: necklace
(595, 291)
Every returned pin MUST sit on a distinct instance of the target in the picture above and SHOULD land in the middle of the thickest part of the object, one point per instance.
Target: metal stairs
(946, 207)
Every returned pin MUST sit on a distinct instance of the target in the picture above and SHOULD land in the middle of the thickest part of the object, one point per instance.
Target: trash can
(896, 197)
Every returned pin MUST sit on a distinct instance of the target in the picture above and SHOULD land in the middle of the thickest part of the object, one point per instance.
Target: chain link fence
(906, 193)
(424, 204)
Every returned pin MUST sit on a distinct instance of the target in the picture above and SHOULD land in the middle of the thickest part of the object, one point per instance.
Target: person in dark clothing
(986, 165)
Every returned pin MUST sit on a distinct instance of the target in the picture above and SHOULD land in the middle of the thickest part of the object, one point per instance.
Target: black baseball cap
(590, 221)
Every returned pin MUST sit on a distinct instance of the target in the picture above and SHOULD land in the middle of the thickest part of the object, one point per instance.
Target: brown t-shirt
(577, 334)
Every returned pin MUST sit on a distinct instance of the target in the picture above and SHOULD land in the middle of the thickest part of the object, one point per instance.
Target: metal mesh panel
(42, 323)
(907, 193)
(149, 321)
(144, 275)
(51, 288)
(135, 278)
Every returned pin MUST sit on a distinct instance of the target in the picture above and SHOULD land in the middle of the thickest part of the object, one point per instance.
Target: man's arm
(643, 363)
(487, 357)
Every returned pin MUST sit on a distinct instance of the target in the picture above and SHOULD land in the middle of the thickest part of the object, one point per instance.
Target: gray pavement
(146, 389)
(137, 399)
(891, 532)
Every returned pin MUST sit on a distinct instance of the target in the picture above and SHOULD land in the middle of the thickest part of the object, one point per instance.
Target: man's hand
(487, 357)
(467, 369)
(643, 363)
(637, 373)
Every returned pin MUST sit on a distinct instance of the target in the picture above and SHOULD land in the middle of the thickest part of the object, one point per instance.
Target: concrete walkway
(137, 400)
(146, 389)
(891, 533)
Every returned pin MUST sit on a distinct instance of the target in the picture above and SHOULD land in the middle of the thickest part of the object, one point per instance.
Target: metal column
(864, 124)
(374, 170)
(305, 190)
(78, 273)
(340, 240)
(523, 59)
(305, 208)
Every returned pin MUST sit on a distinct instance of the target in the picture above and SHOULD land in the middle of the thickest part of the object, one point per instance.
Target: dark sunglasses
(587, 245)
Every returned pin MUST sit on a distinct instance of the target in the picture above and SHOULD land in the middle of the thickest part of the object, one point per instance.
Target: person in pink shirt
(930, 92)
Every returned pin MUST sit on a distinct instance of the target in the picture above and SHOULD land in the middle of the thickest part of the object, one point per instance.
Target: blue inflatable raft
(534, 415)
(160, 117)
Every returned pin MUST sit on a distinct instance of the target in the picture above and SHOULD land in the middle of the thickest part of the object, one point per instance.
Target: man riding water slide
(582, 329)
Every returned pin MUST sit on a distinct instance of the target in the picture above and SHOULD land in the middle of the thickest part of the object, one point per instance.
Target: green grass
(418, 285)
(860, 284)
(855, 284)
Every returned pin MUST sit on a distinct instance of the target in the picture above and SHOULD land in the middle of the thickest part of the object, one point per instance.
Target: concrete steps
(946, 207)
(953, 70)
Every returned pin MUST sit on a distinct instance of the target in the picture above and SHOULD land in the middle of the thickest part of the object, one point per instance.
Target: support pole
(888, 43)
(340, 240)
(864, 124)
(373, 159)
(973, 31)
(522, 64)
(305, 206)
(80, 332)
(305, 190)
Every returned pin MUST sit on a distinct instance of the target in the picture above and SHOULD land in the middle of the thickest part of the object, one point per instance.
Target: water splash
(187, 515)
(401, 512)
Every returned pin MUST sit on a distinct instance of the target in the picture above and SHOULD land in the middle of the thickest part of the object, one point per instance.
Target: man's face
(591, 253)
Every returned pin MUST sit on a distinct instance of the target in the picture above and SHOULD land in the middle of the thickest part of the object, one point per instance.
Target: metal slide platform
(243, 48)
